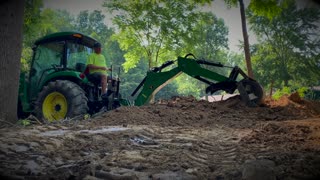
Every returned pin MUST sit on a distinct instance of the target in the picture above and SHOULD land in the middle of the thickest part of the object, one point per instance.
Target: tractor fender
(73, 76)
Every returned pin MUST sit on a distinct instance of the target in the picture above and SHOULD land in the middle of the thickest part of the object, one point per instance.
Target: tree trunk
(245, 39)
(271, 87)
(11, 21)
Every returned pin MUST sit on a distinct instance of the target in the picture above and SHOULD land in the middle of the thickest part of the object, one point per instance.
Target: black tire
(116, 103)
(61, 99)
(20, 112)
(253, 87)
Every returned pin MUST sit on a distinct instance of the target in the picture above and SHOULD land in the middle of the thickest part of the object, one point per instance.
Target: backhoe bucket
(251, 92)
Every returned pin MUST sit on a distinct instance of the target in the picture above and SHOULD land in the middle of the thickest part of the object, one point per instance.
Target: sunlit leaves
(157, 27)
(268, 8)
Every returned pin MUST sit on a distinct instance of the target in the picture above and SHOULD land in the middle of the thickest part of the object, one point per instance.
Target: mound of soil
(189, 112)
(180, 138)
(294, 105)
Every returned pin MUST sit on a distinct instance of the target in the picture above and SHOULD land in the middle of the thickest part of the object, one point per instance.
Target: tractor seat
(80, 67)
(94, 79)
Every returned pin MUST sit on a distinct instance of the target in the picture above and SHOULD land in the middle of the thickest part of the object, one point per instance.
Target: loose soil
(181, 138)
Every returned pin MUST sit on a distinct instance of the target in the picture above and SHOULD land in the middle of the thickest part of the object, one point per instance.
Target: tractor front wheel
(61, 99)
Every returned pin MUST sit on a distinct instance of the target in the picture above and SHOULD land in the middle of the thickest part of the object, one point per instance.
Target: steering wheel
(190, 54)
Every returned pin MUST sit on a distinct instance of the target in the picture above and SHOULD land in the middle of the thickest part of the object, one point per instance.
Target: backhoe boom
(155, 79)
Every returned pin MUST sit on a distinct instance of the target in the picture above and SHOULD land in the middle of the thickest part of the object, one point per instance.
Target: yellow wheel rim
(55, 107)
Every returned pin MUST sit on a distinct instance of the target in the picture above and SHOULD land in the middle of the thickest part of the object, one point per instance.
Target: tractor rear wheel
(61, 99)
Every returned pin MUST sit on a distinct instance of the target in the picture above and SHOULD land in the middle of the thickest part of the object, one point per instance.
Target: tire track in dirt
(189, 149)
(204, 153)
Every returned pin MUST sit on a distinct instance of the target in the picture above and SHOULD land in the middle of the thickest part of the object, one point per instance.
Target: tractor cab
(58, 52)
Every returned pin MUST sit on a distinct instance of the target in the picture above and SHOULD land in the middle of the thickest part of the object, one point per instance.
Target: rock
(109, 175)
(32, 167)
(168, 175)
(191, 170)
(258, 169)
(91, 178)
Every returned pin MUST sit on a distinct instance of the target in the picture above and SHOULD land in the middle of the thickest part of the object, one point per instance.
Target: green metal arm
(155, 80)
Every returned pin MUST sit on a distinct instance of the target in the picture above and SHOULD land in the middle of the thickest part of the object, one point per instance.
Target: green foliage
(209, 41)
(38, 23)
(92, 24)
(24, 122)
(281, 92)
(208, 38)
(32, 18)
(267, 8)
(32, 15)
(231, 3)
(288, 90)
(152, 30)
(188, 86)
(86, 117)
(302, 91)
(288, 49)
(168, 91)
(155, 32)
(131, 79)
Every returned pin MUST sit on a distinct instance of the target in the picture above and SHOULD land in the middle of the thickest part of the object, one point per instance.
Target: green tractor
(57, 86)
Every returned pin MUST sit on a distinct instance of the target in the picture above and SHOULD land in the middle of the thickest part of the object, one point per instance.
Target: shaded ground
(177, 139)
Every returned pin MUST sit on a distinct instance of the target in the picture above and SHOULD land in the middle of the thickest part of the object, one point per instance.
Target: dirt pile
(187, 111)
(180, 138)
(294, 105)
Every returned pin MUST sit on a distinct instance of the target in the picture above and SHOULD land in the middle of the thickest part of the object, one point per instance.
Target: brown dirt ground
(181, 138)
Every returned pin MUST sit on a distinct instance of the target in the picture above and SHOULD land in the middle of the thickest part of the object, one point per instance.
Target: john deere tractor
(58, 87)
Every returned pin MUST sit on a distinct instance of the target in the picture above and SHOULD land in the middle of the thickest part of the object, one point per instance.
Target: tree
(245, 39)
(32, 18)
(11, 23)
(268, 8)
(208, 38)
(288, 48)
(89, 22)
(92, 24)
(131, 79)
(54, 21)
(152, 30)
(40, 23)
(244, 32)
(210, 42)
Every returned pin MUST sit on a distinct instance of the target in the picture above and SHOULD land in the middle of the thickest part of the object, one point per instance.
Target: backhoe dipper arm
(152, 83)
(156, 79)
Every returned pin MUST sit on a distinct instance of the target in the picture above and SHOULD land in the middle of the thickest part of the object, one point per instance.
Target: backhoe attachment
(250, 90)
